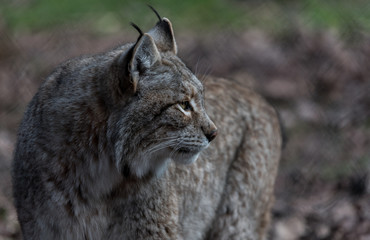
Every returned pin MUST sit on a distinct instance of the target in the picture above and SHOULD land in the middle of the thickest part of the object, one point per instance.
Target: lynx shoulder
(120, 146)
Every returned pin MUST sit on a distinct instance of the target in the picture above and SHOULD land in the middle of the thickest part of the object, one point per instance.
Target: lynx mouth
(186, 155)
(188, 151)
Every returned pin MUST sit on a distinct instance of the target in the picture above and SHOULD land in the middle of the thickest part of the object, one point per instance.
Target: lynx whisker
(161, 146)
(176, 147)
(196, 67)
(208, 72)
(165, 138)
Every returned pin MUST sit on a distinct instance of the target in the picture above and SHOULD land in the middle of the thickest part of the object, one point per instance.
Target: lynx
(118, 146)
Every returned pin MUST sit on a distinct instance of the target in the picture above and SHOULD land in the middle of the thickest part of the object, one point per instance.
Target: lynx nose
(210, 136)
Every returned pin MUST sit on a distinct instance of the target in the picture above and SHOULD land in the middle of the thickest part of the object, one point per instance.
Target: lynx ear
(145, 55)
(126, 69)
(163, 36)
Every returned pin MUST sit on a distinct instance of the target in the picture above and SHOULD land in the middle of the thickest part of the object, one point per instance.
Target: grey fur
(107, 150)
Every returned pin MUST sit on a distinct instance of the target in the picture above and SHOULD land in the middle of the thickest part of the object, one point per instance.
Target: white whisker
(161, 146)
(165, 138)
(176, 148)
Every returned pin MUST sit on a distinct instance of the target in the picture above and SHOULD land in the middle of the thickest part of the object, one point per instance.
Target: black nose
(210, 136)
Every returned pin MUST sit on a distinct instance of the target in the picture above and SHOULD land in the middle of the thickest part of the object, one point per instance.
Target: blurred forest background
(309, 58)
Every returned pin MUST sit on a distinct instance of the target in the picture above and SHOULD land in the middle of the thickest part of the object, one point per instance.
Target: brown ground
(319, 83)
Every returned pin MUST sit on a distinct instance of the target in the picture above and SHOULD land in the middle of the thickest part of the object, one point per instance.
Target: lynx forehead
(119, 145)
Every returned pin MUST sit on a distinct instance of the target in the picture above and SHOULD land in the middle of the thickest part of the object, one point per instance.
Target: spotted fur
(117, 146)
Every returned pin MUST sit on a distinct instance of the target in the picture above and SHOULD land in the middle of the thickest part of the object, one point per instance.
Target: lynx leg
(244, 210)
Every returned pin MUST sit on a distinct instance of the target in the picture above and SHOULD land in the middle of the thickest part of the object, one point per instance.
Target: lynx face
(165, 118)
(184, 127)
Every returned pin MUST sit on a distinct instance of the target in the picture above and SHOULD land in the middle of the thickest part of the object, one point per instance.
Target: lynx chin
(122, 145)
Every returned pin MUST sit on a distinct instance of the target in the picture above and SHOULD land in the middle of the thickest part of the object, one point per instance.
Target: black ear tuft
(138, 29)
(156, 13)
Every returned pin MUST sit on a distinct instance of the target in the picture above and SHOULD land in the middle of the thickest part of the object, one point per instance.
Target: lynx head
(159, 106)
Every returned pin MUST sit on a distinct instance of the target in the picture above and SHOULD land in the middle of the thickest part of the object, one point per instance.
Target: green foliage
(40, 14)
(197, 15)
(346, 16)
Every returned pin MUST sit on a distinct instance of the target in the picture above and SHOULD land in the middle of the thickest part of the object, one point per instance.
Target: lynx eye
(186, 106)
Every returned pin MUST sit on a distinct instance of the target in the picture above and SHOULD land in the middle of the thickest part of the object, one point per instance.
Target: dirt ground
(318, 81)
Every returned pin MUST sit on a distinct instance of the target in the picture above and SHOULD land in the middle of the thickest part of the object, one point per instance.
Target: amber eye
(186, 106)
